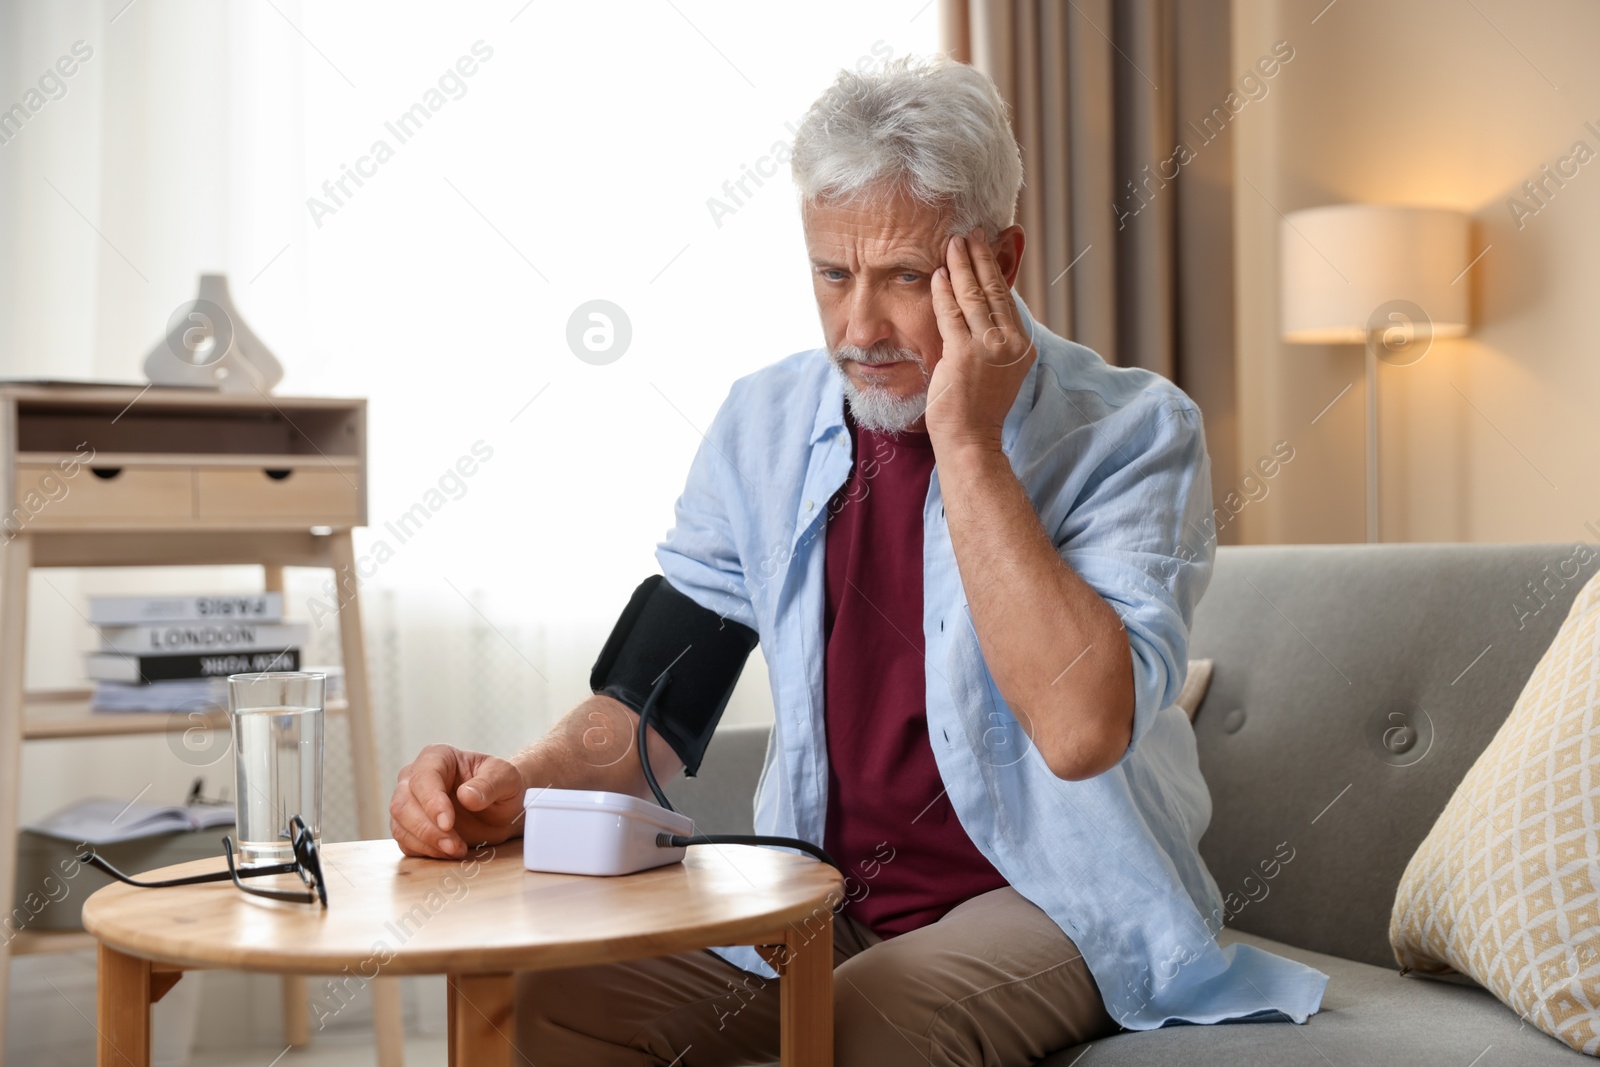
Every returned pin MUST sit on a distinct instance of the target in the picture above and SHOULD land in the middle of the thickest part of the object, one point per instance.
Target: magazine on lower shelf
(103, 821)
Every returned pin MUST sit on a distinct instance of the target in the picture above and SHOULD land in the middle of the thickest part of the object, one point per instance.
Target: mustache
(875, 355)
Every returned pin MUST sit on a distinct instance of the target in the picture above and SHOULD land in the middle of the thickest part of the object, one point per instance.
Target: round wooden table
(476, 921)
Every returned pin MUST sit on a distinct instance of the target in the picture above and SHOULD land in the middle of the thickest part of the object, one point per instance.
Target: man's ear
(1008, 245)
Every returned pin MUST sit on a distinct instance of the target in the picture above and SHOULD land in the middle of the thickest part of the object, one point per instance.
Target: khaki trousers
(994, 983)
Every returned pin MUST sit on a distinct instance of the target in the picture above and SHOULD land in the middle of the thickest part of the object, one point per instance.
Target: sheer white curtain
(533, 157)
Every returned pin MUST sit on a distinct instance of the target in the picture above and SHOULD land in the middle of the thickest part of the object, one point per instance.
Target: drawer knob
(105, 474)
(278, 474)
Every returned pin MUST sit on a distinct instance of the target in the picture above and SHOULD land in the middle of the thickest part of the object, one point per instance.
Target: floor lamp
(1391, 277)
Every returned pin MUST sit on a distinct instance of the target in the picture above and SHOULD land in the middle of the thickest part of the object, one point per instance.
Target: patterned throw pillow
(1506, 887)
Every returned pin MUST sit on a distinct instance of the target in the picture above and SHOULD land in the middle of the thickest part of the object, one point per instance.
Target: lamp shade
(1341, 266)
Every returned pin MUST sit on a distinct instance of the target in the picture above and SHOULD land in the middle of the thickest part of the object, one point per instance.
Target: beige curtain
(1129, 241)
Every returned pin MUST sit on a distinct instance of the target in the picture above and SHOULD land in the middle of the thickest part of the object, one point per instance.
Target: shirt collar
(830, 411)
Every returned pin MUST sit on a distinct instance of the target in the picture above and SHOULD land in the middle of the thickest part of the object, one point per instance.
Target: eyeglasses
(307, 864)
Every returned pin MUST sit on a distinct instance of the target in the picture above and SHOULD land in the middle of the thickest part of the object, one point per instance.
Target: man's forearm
(1057, 650)
(592, 747)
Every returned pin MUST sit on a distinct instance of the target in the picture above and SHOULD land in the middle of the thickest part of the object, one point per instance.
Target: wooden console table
(119, 476)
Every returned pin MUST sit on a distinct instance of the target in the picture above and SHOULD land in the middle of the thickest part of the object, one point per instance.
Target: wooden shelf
(102, 460)
(177, 477)
(43, 942)
(76, 397)
(54, 714)
(191, 547)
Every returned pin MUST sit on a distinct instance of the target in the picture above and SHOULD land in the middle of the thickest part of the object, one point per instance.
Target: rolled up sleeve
(700, 556)
(1141, 535)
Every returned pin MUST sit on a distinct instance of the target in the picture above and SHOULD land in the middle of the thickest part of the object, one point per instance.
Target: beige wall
(1494, 437)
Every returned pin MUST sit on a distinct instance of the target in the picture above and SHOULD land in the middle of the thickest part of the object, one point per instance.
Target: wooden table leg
(296, 1011)
(450, 1000)
(123, 995)
(805, 995)
(482, 1028)
(388, 1022)
(15, 559)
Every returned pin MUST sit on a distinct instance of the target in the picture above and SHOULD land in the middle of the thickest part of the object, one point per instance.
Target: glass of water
(277, 760)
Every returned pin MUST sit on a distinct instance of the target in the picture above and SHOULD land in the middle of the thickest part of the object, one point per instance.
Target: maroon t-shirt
(906, 857)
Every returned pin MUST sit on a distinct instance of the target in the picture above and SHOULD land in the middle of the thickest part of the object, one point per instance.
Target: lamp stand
(1372, 436)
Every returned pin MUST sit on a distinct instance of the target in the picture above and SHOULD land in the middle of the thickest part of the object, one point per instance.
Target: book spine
(200, 665)
(137, 610)
(168, 638)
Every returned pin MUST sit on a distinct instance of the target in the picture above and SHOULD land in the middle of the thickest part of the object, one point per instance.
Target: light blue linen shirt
(1114, 461)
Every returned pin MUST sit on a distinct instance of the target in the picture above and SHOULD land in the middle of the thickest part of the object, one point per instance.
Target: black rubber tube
(679, 841)
(666, 840)
(644, 751)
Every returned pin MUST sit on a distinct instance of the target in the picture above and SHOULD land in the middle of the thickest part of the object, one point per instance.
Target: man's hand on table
(448, 800)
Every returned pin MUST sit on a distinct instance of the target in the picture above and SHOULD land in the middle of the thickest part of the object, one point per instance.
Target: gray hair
(938, 128)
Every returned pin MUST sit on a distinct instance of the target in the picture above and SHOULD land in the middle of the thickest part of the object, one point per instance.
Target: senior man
(971, 550)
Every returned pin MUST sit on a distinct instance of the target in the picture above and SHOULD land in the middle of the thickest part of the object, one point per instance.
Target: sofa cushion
(1195, 684)
(1369, 1015)
(1354, 687)
(720, 798)
(1504, 888)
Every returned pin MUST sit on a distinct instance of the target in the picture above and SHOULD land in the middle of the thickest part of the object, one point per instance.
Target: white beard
(877, 407)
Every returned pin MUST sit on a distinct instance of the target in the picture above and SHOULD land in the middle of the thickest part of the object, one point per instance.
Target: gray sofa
(1354, 685)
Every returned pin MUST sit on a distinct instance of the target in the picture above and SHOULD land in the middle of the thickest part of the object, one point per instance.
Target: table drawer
(53, 501)
(291, 494)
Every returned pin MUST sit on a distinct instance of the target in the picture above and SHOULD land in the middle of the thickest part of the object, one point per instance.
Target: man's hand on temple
(986, 352)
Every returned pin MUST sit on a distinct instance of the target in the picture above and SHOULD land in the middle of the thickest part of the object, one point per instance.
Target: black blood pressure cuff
(703, 653)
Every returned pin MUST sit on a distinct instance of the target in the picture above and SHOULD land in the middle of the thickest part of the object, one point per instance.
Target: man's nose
(868, 324)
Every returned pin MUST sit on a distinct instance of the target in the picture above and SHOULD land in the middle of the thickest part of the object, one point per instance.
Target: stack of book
(175, 653)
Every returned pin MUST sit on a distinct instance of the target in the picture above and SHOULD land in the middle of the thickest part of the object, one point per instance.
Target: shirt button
(810, 504)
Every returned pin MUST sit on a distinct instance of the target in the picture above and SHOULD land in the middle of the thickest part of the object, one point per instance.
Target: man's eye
(828, 273)
(910, 276)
